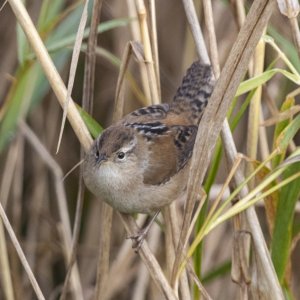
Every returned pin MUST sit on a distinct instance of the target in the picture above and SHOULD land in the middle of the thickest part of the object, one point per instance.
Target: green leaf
(31, 85)
(287, 46)
(22, 45)
(93, 126)
(69, 40)
(48, 13)
(286, 105)
(262, 78)
(217, 272)
(282, 235)
(17, 104)
(288, 134)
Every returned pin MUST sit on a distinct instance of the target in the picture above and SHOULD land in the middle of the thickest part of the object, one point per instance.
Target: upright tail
(193, 93)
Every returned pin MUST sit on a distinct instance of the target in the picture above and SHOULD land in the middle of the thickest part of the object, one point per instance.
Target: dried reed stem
(215, 113)
(50, 71)
(21, 254)
(251, 217)
(73, 67)
(136, 34)
(8, 290)
(149, 62)
(255, 106)
(261, 248)
(149, 260)
(296, 33)
(196, 31)
(154, 44)
(104, 250)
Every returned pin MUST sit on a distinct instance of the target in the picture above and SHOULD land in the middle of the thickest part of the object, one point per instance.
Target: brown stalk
(6, 183)
(154, 44)
(195, 29)
(142, 276)
(184, 288)
(149, 260)
(21, 255)
(215, 113)
(135, 31)
(87, 105)
(296, 32)
(149, 62)
(65, 228)
(90, 59)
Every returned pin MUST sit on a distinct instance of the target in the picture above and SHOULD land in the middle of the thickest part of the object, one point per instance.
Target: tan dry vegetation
(41, 207)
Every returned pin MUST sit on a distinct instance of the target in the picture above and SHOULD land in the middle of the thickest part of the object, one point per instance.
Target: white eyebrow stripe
(129, 146)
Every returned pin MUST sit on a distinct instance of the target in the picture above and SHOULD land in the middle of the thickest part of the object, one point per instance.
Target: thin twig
(73, 67)
(149, 260)
(142, 281)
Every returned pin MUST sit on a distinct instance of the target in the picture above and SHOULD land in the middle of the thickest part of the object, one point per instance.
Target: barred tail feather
(193, 93)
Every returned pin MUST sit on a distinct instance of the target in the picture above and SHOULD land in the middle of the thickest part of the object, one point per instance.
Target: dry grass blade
(62, 204)
(4, 267)
(6, 182)
(73, 67)
(142, 283)
(209, 21)
(50, 71)
(198, 283)
(149, 62)
(255, 106)
(132, 48)
(215, 113)
(90, 59)
(259, 242)
(154, 44)
(135, 31)
(104, 249)
(75, 239)
(196, 31)
(281, 116)
(21, 254)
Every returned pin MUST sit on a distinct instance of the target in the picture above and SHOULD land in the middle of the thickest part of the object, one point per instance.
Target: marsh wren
(141, 163)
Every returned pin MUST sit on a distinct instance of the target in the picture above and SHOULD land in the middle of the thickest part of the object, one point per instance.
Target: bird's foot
(138, 239)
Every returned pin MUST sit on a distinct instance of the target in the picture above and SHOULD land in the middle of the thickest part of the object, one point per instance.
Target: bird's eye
(121, 155)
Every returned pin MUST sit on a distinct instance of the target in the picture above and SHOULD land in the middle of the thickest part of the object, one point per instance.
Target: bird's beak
(101, 158)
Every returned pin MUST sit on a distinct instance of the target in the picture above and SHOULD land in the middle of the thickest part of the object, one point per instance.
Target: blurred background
(30, 183)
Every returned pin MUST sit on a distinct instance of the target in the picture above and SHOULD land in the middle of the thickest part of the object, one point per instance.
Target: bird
(141, 163)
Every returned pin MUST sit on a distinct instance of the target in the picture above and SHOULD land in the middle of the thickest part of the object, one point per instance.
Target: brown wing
(148, 114)
(169, 153)
(170, 138)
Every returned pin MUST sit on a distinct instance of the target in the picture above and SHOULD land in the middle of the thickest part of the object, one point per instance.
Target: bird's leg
(138, 238)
